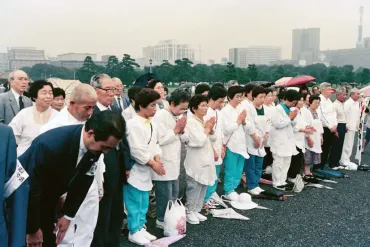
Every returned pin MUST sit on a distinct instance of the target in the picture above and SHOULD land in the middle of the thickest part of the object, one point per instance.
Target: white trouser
(280, 168)
(81, 229)
(349, 139)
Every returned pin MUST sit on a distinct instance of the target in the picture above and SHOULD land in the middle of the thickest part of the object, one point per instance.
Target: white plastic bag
(174, 219)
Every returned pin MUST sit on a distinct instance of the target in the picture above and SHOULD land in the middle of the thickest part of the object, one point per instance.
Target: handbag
(174, 219)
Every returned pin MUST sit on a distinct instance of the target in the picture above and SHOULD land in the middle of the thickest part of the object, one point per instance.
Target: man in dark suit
(121, 99)
(14, 101)
(61, 161)
(108, 227)
(8, 157)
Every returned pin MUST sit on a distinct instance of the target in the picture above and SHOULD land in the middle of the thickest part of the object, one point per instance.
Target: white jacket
(282, 140)
(353, 113)
(170, 145)
(129, 112)
(234, 136)
(218, 133)
(256, 125)
(301, 123)
(316, 137)
(269, 114)
(143, 141)
(199, 162)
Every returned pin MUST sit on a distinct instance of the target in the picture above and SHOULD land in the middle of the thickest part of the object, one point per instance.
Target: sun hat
(244, 202)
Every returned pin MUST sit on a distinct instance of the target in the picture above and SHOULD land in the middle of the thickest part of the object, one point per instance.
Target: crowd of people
(73, 171)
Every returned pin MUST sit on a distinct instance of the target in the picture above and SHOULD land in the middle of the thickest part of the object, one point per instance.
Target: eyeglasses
(109, 90)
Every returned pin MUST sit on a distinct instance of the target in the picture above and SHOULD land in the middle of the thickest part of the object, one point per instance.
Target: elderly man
(14, 101)
(328, 116)
(120, 98)
(108, 228)
(353, 113)
(336, 150)
(81, 230)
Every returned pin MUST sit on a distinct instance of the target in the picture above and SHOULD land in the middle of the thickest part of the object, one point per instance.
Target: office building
(75, 56)
(359, 57)
(25, 57)
(238, 56)
(4, 62)
(263, 55)
(306, 45)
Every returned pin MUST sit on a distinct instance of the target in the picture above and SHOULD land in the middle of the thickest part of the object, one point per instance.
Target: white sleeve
(17, 124)
(228, 125)
(139, 148)
(165, 135)
(196, 135)
(280, 121)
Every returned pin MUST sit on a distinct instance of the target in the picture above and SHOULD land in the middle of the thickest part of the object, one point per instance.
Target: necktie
(119, 103)
(21, 104)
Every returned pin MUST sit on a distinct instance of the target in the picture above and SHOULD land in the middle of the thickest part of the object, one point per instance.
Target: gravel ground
(314, 217)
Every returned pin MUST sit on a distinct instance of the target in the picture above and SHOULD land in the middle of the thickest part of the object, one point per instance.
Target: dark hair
(59, 92)
(105, 124)
(153, 82)
(314, 97)
(268, 90)
(291, 95)
(196, 100)
(248, 88)
(315, 86)
(218, 84)
(281, 95)
(232, 91)
(36, 86)
(179, 96)
(258, 90)
(132, 92)
(217, 92)
(303, 87)
(305, 95)
(166, 89)
(201, 88)
(145, 97)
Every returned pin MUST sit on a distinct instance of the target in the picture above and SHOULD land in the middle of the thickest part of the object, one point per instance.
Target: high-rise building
(168, 50)
(4, 62)
(75, 56)
(241, 57)
(306, 45)
(25, 57)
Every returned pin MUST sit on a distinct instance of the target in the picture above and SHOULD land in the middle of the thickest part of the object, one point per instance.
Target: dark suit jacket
(8, 157)
(9, 106)
(51, 163)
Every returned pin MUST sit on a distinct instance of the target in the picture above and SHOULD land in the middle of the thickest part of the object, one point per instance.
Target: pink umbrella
(365, 91)
(282, 81)
(299, 80)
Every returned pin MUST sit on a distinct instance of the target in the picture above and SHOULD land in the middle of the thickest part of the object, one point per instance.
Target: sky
(116, 27)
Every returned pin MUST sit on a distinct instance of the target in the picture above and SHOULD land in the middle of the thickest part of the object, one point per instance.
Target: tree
(112, 68)
(44, 71)
(126, 69)
(279, 73)
(164, 71)
(182, 70)
(252, 72)
(348, 75)
(333, 75)
(365, 76)
(87, 70)
(230, 72)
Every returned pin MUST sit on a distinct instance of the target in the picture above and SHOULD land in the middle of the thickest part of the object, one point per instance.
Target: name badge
(92, 170)
(20, 175)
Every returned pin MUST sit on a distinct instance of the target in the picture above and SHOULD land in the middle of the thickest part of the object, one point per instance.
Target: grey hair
(11, 75)
(83, 92)
(324, 85)
(353, 90)
(96, 80)
(341, 90)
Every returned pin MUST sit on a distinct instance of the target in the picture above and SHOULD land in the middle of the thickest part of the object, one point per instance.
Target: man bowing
(62, 160)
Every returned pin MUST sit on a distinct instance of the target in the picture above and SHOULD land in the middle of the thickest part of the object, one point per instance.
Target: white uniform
(87, 215)
(353, 113)
(129, 112)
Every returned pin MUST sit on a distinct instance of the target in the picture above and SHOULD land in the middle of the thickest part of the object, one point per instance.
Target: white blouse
(316, 136)
(300, 123)
(170, 144)
(199, 162)
(269, 114)
(26, 128)
(282, 140)
(142, 136)
(129, 112)
(218, 133)
(256, 125)
(234, 136)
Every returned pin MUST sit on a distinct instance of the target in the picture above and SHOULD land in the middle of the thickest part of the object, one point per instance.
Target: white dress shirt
(339, 109)
(327, 112)
(353, 113)
(129, 112)
(63, 118)
(16, 96)
(102, 107)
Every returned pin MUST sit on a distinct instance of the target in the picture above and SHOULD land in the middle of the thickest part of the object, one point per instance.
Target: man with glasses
(14, 101)
(121, 99)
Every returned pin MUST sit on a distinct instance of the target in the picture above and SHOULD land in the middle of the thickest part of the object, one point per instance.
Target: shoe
(260, 190)
(147, 235)
(268, 170)
(280, 187)
(310, 179)
(233, 196)
(159, 224)
(292, 180)
(201, 217)
(254, 192)
(191, 218)
(138, 238)
(336, 168)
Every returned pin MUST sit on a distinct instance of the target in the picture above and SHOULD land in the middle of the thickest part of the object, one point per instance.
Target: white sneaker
(233, 196)
(260, 190)
(191, 218)
(148, 236)
(159, 224)
(201, 217)
(254, 191)
(292, 180)
(138, 238)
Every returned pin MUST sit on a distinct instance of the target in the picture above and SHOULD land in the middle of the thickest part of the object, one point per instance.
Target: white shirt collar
(16, 95)
(70, 116)
(83, 148)
(101, 107)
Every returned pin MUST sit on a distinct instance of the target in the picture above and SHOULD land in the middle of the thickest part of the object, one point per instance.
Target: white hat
(244, 202)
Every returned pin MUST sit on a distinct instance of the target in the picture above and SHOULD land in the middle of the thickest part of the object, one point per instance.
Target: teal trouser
(212, 188)
(234, 164)
(137, 204)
